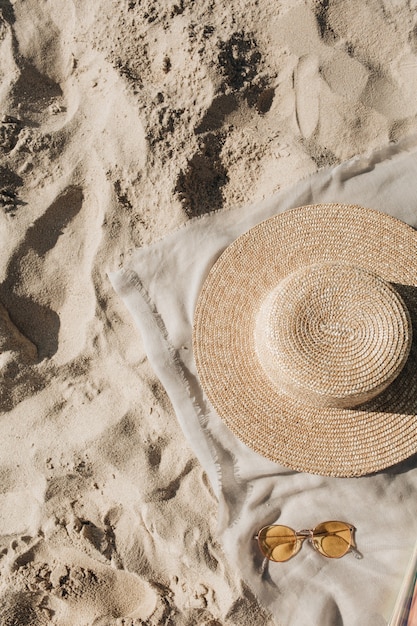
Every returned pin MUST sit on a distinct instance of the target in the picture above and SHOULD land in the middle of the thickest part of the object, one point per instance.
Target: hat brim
(326, 441)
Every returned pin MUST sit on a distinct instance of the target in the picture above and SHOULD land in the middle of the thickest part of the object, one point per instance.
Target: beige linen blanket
(160, 286)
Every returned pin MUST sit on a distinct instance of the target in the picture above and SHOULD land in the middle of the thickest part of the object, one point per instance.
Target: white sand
(119, 121)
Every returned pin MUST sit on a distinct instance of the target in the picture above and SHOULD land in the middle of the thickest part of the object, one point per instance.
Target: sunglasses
(332, 539)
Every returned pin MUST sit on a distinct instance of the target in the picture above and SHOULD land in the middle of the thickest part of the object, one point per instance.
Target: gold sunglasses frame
(310, 534)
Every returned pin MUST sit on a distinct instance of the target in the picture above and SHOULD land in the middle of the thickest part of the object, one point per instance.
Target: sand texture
(119, 121)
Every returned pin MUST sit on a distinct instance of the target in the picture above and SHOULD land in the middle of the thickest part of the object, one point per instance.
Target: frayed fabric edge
(153, 331)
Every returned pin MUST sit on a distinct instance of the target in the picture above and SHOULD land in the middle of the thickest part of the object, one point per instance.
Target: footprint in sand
(33, 313)
(73, 587)
(307, 89)
(47, 291)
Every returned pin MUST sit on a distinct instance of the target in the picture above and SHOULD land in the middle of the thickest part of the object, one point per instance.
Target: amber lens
(333, 539)
(278, 543)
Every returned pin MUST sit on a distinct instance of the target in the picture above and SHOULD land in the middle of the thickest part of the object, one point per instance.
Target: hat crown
(333, 335)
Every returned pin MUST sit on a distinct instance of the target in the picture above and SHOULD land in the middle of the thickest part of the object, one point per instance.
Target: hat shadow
(408, 377)
(409, 294)
(402, 467)
(400, 397)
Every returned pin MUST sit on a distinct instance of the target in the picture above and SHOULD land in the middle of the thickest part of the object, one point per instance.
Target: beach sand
(120, 121)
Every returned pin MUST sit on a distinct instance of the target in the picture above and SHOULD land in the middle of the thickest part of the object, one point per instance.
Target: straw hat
(303, 339)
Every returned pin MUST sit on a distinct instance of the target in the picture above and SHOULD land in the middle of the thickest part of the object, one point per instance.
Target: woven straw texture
(303, 339)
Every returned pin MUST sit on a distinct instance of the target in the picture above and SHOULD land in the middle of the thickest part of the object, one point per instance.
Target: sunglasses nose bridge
(304, 534)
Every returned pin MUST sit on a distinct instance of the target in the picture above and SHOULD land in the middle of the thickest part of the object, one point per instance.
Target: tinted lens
(333, 539)
(278, 543)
